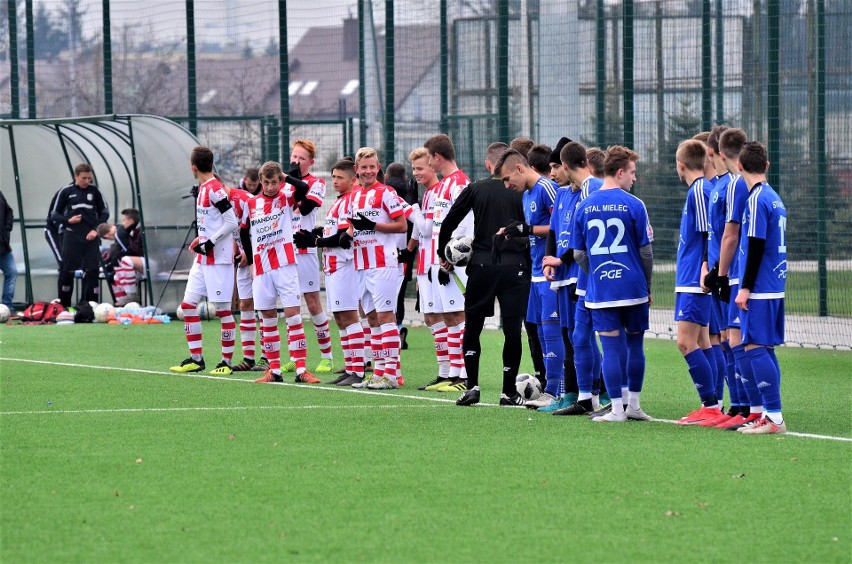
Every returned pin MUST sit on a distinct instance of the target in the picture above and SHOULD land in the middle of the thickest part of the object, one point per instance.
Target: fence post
(627, 31)
(600, 73)
(390, 145)
(706, 68)
(14, 77)
(773, 95)
(191, 92)
(107, 36)
(445, 67)
(284, 84)
(821, 161)
(503, 70)
(720, 63)
(31, 83)
(362, 76)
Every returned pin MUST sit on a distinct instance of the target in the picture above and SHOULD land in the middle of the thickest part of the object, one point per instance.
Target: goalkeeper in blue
(763, 278)
(612, 239)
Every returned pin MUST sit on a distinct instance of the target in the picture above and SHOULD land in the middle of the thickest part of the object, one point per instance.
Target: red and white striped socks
(192, 328)
(354, 343)
(272, 343)
(248, 334)
(390, 350)
(439, 332)
(455, 335)
(323, 334)
(229, 329)
(296, 341)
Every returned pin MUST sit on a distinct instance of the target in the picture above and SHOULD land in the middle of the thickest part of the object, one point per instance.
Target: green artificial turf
(106, 464)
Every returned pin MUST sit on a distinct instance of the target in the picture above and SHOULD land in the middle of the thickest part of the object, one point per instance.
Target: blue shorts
(718, 315)
(692, 307)
(582, 315)
(566, 307)
(542, 306)
(632, 318)
(733, 311)
(763, 323)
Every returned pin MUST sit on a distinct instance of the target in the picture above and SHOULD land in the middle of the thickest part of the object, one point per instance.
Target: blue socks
(702, 377)
(553, 350)
(769, 384)
(635, 361)
(730, 375)
(746, 372)
(613, 369)
(718, 365)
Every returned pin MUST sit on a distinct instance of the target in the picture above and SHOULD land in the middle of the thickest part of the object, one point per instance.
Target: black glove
(317, 231)
(404, 255)
(518, 229)
(498, 243)
(443, 277)
(723, 289)
(440, 251)
(304, 239)
(711, 279)
(345, 241)
(295, 170)
(204, 248)
(361, 223)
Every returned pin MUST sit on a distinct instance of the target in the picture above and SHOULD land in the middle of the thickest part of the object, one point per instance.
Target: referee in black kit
(80, 208)
(499, 267)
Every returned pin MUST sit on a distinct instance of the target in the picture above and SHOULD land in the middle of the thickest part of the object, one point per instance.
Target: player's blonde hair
(271, 169)
(617, 158)
(418, 153)
(307, 145)
(365, 153)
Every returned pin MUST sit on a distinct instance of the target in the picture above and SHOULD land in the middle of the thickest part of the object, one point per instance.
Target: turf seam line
(328, 389)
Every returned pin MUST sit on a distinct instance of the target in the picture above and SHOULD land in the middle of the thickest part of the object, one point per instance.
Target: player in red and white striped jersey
(377, 214)
(302, 158)
(442, 156)
(421, 239)
(212, 272)
(268, 232)
(340, 274)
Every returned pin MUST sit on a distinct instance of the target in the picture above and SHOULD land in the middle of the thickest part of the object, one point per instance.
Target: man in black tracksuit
(499, 267)
(80, 208)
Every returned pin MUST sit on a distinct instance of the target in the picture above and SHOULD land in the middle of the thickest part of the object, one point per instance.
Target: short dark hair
(395, 170)
(573, 155)
(753, 157)
(702, 136)
(511, 156)
(617, 157)
(202, 158)
(346, 165)
(132, 214)
(522, 145)
(495, 151)
(713, 139)
(692, 153)
(82, 167)
(441, 144)
(539, 158)
(596, 156)
(731, 142)
(252, 174)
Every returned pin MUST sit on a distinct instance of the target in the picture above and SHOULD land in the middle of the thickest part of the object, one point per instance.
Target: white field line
(225, 408)
(309, 386)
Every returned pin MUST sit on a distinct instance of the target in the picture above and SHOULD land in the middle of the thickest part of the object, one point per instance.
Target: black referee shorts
(510, 284)
(78, 253)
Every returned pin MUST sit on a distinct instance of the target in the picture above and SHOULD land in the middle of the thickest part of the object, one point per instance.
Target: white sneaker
(611, 418)
(636, 414)
(542, 401)
(366, 382)
(384, 383)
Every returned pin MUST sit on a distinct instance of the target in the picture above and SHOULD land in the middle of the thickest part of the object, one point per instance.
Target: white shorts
(309, 272)
(427, 300)
(449, 296)
(216, 281)
(282, 282)
(379, 288)
(342, 288)
(244, 283)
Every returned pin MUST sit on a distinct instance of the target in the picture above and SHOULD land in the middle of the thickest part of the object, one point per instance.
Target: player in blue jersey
(692, 305)
(539, 194)
(612, 239)
(716, 213)
(727, 283)
(571, 298)
(763, 278)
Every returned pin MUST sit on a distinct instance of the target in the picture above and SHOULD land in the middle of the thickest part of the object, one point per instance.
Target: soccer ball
(206, 311)
(132, 305)
(459, 250)
(4, 313)
(528, 386)
(102, 312)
